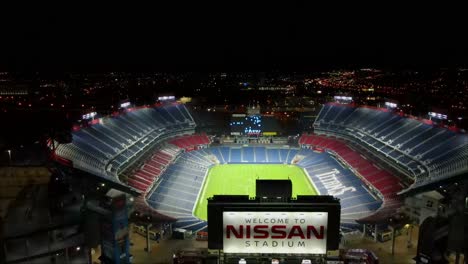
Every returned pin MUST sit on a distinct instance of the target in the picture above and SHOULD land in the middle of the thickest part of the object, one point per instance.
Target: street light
(9, 157)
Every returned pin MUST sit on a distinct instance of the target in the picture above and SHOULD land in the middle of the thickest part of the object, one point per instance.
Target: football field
(240, 179)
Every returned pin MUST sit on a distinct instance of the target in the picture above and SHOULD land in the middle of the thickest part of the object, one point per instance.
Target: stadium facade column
(375, 233)
(148, 242)
(26, 246)
(410, 242)
(66, 256)
(89, 258)
(115, 243)
(5, 251)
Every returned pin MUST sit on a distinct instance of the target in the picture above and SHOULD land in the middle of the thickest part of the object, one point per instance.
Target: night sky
(239, 36)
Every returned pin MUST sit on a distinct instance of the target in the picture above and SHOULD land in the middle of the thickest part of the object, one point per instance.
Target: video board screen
(246, 125)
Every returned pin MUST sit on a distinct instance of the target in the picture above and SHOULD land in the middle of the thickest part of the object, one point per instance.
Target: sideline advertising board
(275, 232)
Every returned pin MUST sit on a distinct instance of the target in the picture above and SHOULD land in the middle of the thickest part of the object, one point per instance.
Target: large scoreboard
(254, 125)
(244, 125)
(306, 225)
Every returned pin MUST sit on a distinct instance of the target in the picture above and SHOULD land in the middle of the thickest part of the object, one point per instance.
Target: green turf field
(240, 179)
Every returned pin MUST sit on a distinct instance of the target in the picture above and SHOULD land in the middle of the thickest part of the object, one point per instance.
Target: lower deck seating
(384, 182)
(147, 174)
(178, 187)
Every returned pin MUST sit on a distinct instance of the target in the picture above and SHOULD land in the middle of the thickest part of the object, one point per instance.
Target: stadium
(235, 134)
(370, 158)
(375, 161)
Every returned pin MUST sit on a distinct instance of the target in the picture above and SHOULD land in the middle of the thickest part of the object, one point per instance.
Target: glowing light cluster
(89, 115)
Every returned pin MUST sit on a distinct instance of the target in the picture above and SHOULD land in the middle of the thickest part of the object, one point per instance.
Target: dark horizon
(228, 37)
(320, 65)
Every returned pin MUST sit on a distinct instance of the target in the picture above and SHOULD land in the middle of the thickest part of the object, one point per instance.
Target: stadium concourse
(155, 151)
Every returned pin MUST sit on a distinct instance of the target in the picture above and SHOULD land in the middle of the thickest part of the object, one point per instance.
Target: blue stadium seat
(248, 154)
(260, 154)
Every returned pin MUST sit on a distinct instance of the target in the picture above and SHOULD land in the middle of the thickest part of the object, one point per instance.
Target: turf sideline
(310, 180)
(202, 189)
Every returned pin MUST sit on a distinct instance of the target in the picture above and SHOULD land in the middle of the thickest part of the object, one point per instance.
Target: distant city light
(437, 115)
(125, 105)
(344, 98)
(391, 105)
(89, 115)
(165, 98)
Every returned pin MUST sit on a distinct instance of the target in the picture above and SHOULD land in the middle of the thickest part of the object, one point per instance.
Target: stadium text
(290, 244)
(332, 184)
(275, 231)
